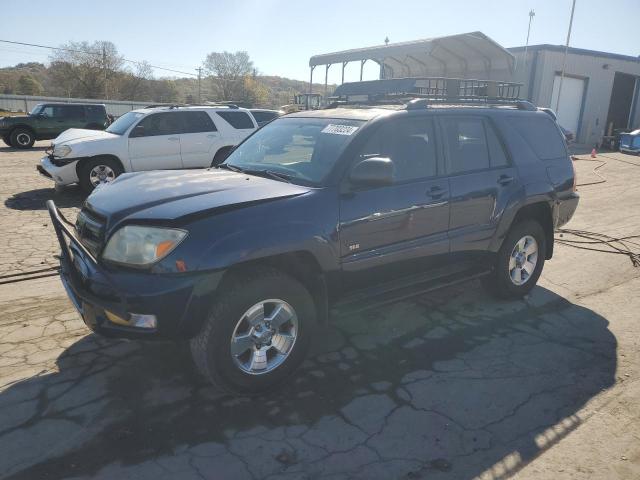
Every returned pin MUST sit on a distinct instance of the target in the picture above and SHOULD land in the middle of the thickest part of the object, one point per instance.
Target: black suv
(335, 209)
(48, 120)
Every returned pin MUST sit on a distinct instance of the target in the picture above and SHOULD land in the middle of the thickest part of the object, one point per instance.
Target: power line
(64, 49)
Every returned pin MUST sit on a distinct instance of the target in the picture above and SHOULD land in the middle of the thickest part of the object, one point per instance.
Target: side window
(72, 112)
(161, 124)
(95, 111)
(48, 111)
(496, 150)
(410, 144)
(466, 144)
(196, 122)
(541, 134)
(239, 120)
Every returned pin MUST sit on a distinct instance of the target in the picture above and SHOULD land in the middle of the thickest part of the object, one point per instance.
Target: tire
(87, 171)
(211, 347)
(22, 138)
(503, 281)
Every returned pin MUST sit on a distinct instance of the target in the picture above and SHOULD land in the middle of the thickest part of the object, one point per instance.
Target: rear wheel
(22, 138)
(257, 333)
(519, 262)
(97, 171)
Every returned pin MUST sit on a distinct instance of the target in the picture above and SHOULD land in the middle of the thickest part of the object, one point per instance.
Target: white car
(147, 139)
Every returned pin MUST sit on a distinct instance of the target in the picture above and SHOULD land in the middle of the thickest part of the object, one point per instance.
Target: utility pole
(564, 60)
(199, 89)
(532, 14)
(104, 67)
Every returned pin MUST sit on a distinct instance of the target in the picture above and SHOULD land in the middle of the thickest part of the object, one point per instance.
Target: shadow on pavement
(450, 384)
(70, 197)
(4, 148)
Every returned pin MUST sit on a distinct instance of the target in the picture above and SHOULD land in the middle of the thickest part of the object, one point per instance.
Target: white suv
(147, 139)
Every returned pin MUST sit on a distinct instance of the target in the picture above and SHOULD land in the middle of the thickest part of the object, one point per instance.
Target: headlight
(62, 150)
(137, 245)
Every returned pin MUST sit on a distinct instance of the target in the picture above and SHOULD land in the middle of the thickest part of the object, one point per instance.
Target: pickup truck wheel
(519, 262)
(257, 332)
(22, 138)
(97, 171)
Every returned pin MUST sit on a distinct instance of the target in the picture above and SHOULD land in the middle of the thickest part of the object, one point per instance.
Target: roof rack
(182, 105)
(420, 92)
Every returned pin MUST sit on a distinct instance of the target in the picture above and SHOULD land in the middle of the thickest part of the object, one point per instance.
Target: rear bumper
(566, 208)
(179, 302)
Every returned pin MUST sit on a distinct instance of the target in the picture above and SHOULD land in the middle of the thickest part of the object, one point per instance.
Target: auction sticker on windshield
(339, 129)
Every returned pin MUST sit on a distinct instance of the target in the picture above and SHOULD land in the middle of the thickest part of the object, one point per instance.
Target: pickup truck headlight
(139, 246)
(61, 151)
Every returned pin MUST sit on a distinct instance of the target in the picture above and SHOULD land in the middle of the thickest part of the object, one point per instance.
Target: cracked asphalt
(449, 385)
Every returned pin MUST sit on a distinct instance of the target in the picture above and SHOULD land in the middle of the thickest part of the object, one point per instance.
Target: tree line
(98, 71)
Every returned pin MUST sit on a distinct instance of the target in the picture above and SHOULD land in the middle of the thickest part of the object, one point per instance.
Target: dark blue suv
(336, 209)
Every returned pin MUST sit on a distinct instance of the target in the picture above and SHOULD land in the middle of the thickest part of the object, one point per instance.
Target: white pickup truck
(157, 138)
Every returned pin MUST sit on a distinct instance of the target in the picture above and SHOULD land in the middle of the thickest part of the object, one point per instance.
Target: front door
(481, 179)
(398, 230)
(154, 143)
(200, 139)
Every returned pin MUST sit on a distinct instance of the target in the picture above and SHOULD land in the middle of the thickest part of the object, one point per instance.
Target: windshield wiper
(233, 168)
(283, 177)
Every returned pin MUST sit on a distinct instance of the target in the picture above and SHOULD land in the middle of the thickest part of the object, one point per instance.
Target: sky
(281, 35)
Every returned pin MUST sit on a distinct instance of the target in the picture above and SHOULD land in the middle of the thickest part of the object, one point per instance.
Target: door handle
(435, 192)
(505, 179)
(173, 139)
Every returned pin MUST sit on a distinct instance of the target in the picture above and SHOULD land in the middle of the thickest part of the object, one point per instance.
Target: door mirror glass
(138, 131)
(372, 172)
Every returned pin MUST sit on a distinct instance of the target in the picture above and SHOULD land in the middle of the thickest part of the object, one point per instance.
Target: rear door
(199, 140)
(481, 178)
(393, 231)
(69, 116)
(156, 145)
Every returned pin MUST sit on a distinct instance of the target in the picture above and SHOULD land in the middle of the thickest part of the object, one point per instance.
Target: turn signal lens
(164, 247)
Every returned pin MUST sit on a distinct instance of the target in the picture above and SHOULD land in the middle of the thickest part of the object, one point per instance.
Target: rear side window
(239, 120)
(196, 122)
(466, 144)
(498, 157)
(95, 110)
(541, 134)
(161, 124)
(73, 112)
(264, 116)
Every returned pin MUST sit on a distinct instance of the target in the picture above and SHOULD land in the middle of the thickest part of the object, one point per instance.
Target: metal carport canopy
(466, 55)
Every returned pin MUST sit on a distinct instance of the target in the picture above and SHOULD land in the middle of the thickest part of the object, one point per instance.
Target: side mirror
(138, 131)
(372, 172)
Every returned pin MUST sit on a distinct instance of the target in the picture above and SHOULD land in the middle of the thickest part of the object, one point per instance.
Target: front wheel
(519, 262)
(257, 333)
(22, 138)
(97, 171)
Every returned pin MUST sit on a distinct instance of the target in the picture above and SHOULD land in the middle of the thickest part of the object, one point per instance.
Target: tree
(228, 71)
(87, 67)
(134, 85)
(27, 85)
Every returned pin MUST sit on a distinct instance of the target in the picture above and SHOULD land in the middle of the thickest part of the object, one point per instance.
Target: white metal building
(599, 91)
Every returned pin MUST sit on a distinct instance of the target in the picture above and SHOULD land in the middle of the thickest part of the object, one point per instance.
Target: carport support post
(344, 64)
(326, 79)
(311, 79)
(362, 62)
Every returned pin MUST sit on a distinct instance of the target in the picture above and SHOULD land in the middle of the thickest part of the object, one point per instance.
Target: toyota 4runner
(319, 211)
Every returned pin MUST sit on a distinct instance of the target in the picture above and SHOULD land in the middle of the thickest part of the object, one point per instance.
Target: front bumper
(179, 302)
(62, 175)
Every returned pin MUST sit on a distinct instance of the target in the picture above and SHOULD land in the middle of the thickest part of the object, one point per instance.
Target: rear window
(95, 110)
(196, 122)
(541, 134)
(239, 120)
(264, 116)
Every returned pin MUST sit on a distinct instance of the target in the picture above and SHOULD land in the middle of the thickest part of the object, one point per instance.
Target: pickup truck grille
(90, 230)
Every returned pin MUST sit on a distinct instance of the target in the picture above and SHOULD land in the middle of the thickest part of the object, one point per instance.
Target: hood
(172, 194)
(17, 118)
(76, 135)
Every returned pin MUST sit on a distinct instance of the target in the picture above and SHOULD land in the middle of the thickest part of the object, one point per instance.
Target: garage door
(570, 101)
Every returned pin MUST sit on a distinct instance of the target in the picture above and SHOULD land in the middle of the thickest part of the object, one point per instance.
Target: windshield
(302, 149)
(123, 123)
(37, 109)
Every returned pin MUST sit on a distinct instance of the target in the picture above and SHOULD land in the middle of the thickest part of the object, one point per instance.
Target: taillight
(575, 175)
